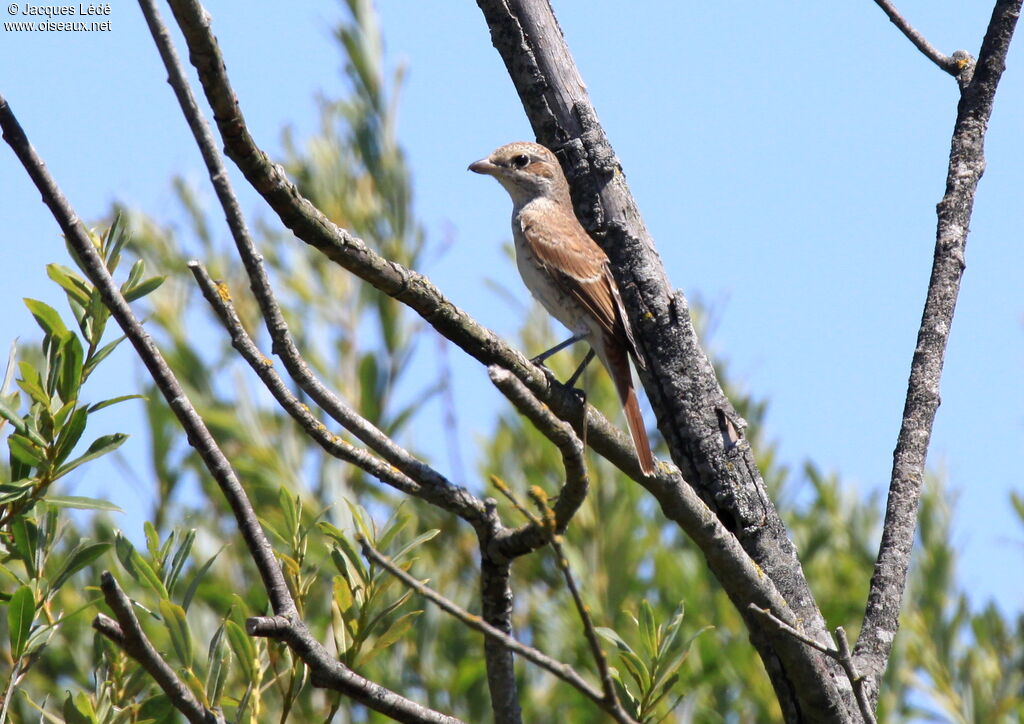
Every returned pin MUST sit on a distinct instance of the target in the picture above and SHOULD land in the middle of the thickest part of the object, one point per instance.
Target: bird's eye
(520, 161)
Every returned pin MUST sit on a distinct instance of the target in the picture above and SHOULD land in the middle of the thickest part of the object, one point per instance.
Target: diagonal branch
(680, 380)
(951, 64)
(446, 496)
(840, 653)
(741, 577)
(530, 537)
(128, 634)
(549, 527)
(966, 165)
(563, 671)
(283, 343)
(325, 671)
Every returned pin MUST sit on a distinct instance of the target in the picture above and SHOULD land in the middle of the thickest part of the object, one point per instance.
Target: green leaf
(32, 386)
(78, 709)
(146, 287)
(114, 242)
(82, 555)
(25, 536)
(114, 401)
(70, 434)
(72, 357)
(100, 446)
(217, 666)
(21, 611)
(137, 566)
(101, 354)
(243, 649)
(194, 585)
(180, 557)
(354, 560)
(395, 632)
(10, 413)
(72, 284)
(177, 626)
(614, 637)
(10, 492)
(82, 503)
(290, 511)
(47, 317)
(342, 637)
(25, 451)
(648, 629)
(415, 543)
(342, 594)
(134, 275)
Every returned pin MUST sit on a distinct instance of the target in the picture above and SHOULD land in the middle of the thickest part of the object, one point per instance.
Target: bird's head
(528, 171)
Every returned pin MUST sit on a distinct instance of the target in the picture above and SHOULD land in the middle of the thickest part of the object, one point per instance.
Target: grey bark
(680, 380)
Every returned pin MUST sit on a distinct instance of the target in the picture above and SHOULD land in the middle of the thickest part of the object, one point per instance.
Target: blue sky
(787, 158)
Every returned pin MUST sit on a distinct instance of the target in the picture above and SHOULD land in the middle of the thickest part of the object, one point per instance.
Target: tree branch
(434, 488)
(680, 380)
(743, 579)
(325, 671)
(496, 607)
(966, 165)
(563, 671)
(459, 500)
(841, 654)
(549, 527)
(572, 494)
(951, 64)
(129, 636)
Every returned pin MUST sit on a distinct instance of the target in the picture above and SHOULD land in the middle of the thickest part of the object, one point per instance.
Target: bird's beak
(483, 166)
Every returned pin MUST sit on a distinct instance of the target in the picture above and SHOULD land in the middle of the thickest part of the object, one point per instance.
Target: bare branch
(573, 492)
(951, 64)
(966, 165)
(840, 654)
(680, 380)
(325, 671)
(129, 636)
(446, 496)
(496, 607)
(549, 527)
(563, 671)
(432, 483)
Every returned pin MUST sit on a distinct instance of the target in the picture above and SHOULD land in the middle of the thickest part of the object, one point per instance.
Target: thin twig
(744, 581)
(840, 654)
(548, 525)
(127, 633)
(950, 64)
(966, 164)
(563, 671)
(577, 482)
(496, 607)
(451, 497)
(325, 670)
(448, 497)
(858, 681)
(680, 378)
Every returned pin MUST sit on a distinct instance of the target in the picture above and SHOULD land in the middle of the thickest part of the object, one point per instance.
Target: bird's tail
(616, 360)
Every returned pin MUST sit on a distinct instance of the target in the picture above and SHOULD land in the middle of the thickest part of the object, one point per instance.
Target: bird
(567, 272)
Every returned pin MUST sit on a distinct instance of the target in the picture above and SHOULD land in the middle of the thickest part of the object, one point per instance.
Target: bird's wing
(577, 263)
(566, 252)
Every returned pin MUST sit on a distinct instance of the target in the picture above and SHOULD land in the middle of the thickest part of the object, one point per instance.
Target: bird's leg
(579, 370)
(539, 359)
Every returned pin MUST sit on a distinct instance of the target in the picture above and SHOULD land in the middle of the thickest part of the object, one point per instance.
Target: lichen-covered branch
(129, 636)
(680, 380)
(966, 165)
(325, 670)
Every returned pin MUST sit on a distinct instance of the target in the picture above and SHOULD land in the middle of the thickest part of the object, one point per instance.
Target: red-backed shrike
(566, 271)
